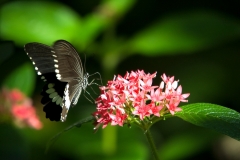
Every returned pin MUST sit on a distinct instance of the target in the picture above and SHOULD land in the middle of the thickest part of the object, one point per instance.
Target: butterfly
(61, 68)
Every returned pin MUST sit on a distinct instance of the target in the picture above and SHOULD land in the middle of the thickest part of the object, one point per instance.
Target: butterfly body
(61, 67)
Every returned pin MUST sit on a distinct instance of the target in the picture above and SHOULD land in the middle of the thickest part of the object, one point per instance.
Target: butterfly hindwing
(52, 94)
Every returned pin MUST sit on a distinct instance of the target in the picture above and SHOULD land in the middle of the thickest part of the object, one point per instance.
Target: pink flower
(132, 98)
(22, 112)
(34, 122)
(19, 108)
(26, 114)
(15, 95)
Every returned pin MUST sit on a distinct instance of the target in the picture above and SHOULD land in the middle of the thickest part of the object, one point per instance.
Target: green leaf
(186, 32)
(218, 118)
(40, 21)
(22, 78)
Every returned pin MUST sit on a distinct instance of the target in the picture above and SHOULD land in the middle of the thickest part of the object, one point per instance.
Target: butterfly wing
(61, 67)
(68, 63)
(42, 58)
(68, 69)
(52, 94)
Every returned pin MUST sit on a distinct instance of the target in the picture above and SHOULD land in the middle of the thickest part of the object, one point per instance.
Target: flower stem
(151, 142)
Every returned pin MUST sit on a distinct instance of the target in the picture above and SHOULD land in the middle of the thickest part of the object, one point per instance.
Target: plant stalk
(151, 143)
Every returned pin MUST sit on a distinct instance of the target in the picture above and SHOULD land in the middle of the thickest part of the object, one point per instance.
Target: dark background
(196, 41)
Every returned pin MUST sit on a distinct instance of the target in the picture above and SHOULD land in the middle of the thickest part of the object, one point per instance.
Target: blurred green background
(196, 41)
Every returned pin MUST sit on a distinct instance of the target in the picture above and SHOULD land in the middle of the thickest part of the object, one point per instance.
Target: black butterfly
(61, 67)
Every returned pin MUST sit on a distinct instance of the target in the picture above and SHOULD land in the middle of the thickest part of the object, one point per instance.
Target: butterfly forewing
(41, 56)
(69, 65)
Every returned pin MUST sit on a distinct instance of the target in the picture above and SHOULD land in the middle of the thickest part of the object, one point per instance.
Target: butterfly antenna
(91, 74)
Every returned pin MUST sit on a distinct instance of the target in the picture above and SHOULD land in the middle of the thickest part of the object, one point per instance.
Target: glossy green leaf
(186, 32)
(40, 21)
(218, 118)
(22, 78)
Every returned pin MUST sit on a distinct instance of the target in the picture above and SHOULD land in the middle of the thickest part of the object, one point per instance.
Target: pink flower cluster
(132, 97)
(20, 108)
